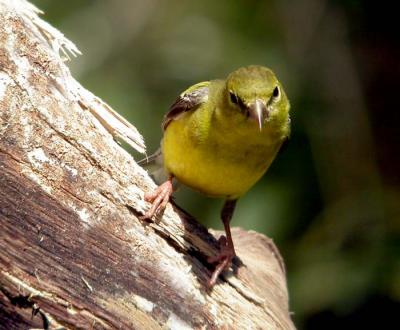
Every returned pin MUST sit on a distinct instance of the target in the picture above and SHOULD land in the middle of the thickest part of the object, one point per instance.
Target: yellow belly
(224, 164)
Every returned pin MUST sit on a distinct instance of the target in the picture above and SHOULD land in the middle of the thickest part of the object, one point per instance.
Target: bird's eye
(234, 98)
(276, 93)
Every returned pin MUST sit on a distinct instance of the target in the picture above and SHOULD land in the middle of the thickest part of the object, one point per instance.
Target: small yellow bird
(220, 137)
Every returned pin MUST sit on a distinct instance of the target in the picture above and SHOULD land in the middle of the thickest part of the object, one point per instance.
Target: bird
(219, 138)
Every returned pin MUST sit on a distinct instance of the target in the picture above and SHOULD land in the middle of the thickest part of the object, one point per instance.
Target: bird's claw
(159, 199)
(224, 260)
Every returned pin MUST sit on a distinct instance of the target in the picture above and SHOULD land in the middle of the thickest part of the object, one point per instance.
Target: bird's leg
(224, 258)
(159, 198)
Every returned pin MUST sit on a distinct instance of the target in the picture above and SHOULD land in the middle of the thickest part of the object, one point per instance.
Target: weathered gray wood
(72, 249)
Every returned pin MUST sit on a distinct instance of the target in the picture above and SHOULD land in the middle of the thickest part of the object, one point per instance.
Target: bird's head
(255, 92)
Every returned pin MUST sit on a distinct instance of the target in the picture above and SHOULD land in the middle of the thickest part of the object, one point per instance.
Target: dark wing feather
(187, 101)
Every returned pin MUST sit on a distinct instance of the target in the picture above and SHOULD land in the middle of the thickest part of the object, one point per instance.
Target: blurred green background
(331, 199)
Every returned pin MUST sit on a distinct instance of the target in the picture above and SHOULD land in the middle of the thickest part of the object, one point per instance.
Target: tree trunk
(73, 252)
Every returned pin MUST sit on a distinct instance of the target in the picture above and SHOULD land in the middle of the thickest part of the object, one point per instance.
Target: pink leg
(159, 198)
(227, 253)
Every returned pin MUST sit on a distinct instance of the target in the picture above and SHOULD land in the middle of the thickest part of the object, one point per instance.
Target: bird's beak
(258, 112)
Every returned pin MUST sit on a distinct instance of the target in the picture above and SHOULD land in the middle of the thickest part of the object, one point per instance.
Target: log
(73, 253)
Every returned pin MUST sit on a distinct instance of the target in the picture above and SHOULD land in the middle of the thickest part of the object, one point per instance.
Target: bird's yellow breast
(218, 158)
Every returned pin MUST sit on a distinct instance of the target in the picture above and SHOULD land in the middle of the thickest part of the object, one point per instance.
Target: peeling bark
(73, 253)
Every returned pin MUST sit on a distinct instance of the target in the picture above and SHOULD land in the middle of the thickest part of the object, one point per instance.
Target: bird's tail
(155, 158)
(154, 165)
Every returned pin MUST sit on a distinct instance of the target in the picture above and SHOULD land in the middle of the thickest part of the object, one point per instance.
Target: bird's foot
(159, 199)
(223, 260)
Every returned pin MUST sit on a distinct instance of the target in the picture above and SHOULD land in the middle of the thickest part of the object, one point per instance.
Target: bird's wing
(189, 100)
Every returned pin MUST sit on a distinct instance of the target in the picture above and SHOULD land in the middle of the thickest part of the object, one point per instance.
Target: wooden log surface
(73, 253)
